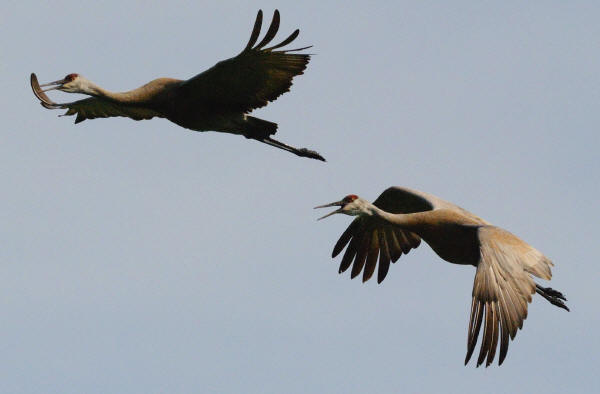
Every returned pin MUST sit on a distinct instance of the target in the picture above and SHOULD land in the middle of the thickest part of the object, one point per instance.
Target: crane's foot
(555, 297)
(554, 293)
(303, 152)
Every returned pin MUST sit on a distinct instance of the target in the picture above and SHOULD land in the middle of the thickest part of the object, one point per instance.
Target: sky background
(140, 257)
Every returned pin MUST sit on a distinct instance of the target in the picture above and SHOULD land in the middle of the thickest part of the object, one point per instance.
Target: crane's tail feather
(258, 129)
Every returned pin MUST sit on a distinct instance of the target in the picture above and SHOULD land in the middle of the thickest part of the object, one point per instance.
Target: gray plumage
(397, 221)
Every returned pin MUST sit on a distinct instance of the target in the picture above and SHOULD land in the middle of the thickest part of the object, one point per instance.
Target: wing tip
(271, 31)
(255, 30)
(270, 35)
(39, 93)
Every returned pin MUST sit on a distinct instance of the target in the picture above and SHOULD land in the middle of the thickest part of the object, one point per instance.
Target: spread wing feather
(369, 239)
(92, 108)
(502, 289)
(251, 79)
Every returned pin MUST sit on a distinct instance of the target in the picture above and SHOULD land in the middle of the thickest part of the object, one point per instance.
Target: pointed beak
(55, 85)
(333, 204)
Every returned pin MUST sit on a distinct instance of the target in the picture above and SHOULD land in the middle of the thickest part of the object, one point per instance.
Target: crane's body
(434, 229)
(218, 99)
(397, 221)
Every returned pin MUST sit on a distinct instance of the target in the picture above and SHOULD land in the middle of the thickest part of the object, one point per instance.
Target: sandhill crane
(397, 221)
(218, 99)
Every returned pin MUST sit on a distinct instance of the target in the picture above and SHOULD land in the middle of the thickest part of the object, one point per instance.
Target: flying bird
(397, 221)
(218, 99)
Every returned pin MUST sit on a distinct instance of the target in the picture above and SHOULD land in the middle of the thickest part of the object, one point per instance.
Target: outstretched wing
(502, 288)
(92, 107)
(370, 237)
(251, 79)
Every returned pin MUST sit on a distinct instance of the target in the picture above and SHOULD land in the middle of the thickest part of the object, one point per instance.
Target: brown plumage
(218, 99)
(397, 221)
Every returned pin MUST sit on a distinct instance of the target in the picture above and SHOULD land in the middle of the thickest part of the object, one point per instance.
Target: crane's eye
(70, 77)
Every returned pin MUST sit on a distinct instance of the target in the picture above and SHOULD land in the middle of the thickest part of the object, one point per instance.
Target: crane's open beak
(333, 204)
(55, 85)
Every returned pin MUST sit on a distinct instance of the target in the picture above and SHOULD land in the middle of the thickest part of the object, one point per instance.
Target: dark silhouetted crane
(218, 99)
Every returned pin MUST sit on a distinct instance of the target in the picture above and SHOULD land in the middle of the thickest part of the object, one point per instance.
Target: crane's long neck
(120, 97)
(408, 221)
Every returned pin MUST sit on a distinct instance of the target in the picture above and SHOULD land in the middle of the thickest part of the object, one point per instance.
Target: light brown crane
(397, 221)
(218, 99)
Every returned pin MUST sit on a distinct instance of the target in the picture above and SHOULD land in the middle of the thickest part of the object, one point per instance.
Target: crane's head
(350, 205)
(72, 83)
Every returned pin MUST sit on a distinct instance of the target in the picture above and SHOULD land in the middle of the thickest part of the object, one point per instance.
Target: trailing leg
(262, 130)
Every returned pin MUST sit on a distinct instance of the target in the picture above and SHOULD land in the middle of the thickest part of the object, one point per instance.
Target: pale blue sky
(139, 257)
